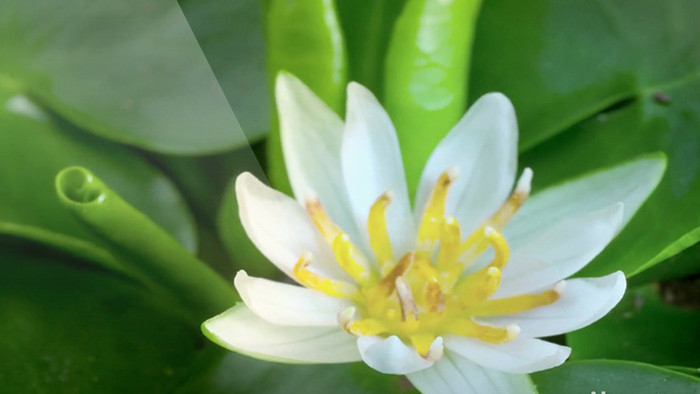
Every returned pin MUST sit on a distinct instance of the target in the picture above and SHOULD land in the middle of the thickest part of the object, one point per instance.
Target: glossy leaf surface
(654, 332)
(367, 46)
(574, 59)
(68, 327)
(35, 146)
(128, 71)
(426, 75)
(230, 34)
(613, 377)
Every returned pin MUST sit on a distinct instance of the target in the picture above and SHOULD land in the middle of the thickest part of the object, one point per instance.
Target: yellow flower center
(424, 293)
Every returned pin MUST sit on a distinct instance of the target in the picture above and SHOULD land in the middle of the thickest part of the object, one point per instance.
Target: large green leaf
(641, 328)
(35, 146)
(614, 377)
(130, 71)
(561, 61)
(683, 264)
(426, 75)
(231, 35)
(74, 328)
(576, 58)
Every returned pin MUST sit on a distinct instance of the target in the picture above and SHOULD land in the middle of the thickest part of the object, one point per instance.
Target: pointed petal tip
(524, 184)
(244, 180)
(355, 86)
(497, 99)
(289, 89)
(246, 185)
(239, 282)
(285, 78)
(361, 102)
(436, 350)
(356, 90)
(658, 162)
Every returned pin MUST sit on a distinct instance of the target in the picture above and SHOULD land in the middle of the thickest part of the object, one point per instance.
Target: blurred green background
(143, 94)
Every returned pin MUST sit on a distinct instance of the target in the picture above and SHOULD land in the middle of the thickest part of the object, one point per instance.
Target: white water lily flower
(453, 294)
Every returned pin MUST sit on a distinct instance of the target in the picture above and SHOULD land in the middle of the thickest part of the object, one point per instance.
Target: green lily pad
(574, 59)
(230, 34)
(130, 71)
(35, 146)
(683, 264)
(75, 328)
(641, 328)
(613, 377)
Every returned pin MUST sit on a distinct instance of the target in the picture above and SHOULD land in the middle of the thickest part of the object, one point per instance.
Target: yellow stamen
(484, 282)
(429, 230)
(424, 295)
(517, 304)
(323, 222)
(312, 280)
(387, 283)
(351, 259)
(514, 202)
(473, 247)
(476, 243)
(378, 233)
(500, 248)
(450, 237)
(365, 327)
(478, 286)
(480, 240)
(422, 343)
(447, 260)
(469, 328)
(432, 294)
(409, 312)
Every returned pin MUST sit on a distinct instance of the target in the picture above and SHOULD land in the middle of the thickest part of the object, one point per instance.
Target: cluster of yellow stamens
(424, 293)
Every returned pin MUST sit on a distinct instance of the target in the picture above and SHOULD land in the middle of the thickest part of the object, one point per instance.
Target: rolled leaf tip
(77, 185)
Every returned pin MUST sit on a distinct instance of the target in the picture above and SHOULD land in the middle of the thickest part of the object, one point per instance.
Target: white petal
(280, 227)
(371, 161)
(483, 148)
(311, 135)
(540, 260)
(630, 183)
(521, 355)
(454, 374)
(240, 330)
(582, 302)
(390, 355)
(288, 305)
